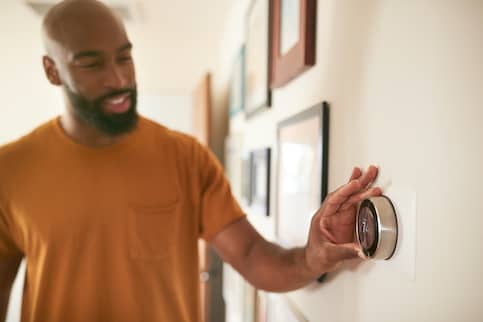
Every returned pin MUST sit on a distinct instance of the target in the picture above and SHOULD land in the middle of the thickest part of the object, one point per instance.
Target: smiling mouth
(117, 104)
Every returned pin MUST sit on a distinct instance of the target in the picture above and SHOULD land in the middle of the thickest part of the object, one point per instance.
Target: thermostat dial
(376, 227)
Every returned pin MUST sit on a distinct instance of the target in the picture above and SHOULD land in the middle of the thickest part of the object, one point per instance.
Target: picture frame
(293, 35)
(237, 84)
(246, 180)
(202, 110)
(281, 309)
(257, 58)
(260, 181)
(302, 172)
(234, 162)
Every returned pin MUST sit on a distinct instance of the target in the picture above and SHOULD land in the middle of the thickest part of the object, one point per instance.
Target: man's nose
(115, 78)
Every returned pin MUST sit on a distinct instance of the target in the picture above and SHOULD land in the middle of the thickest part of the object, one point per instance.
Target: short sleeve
(219, 207)
(8, 247)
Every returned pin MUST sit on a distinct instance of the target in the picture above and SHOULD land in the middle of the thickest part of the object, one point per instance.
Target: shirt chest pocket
(153, 230)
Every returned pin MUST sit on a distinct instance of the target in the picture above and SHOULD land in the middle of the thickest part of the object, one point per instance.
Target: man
(107, 207)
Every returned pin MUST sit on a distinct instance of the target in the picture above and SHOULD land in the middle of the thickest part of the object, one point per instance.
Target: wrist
(310, 271)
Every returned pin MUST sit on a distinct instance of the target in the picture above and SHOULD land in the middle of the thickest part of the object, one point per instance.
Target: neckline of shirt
(59, 130)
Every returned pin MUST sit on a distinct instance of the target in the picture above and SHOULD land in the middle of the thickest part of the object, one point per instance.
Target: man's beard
(91, 112)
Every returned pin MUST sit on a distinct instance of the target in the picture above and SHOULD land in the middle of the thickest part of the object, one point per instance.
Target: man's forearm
(275, 269)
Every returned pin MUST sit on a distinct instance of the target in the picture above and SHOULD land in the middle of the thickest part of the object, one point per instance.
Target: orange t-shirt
(110, 233)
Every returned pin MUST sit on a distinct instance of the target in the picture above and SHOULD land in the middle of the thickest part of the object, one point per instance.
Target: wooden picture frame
(202, 110)
(293, 39)
(302, 172)
(260, 181)
(237, 84)
(257, 58)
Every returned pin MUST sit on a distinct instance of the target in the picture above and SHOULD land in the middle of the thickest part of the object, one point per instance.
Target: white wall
(172, 111)
(27, 97)
(404, 80)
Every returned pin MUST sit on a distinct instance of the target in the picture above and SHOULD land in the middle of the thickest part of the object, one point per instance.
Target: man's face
(97, 72)
(94, 112)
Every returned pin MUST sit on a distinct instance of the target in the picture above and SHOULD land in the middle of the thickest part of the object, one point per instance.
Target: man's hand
(331, 236)
(273, 268)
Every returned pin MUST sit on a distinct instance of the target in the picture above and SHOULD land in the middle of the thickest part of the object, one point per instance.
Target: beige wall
(404, 80)
(27, 98)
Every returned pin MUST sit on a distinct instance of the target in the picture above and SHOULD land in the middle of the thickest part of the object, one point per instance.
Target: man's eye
(91, 65)
(124, 58)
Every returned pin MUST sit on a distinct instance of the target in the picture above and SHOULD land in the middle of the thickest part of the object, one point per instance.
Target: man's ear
(51, 71)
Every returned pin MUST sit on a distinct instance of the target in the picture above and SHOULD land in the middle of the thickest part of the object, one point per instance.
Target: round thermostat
(376, 227)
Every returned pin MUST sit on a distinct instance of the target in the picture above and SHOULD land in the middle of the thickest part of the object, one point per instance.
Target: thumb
(347, 251)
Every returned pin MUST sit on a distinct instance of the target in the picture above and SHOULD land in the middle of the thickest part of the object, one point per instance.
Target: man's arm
(8, 271)
(265, 265)
(270, 267)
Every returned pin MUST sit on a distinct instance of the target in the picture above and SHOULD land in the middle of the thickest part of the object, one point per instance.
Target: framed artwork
(302, 148)
(260, 181)
(237, 84)
(293, 39)
(281, 309)
(246, 198)
(257, 58)
(233, 162)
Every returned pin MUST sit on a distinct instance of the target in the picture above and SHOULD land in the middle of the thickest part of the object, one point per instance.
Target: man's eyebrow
(94, 53)
(125, 47)
(86, 53)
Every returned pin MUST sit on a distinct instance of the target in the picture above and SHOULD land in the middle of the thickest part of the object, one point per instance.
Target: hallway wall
(404, 80)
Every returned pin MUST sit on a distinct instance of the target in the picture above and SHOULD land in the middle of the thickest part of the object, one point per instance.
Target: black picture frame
(246, 179)
(292, 220)
(260, 161)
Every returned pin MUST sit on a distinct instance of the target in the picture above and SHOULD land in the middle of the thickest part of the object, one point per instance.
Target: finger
(369, 176)
(355, 199)
(356, 173)
(340, 196)
(343, 252)
(372, 192)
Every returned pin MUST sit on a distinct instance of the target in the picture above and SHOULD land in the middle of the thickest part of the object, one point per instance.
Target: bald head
(75, 21)
(76, 29)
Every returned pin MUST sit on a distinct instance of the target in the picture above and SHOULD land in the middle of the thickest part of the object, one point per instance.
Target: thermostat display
(376, 227)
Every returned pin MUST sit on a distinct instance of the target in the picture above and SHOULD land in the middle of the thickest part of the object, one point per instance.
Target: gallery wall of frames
(320, 86)
(279, 46)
